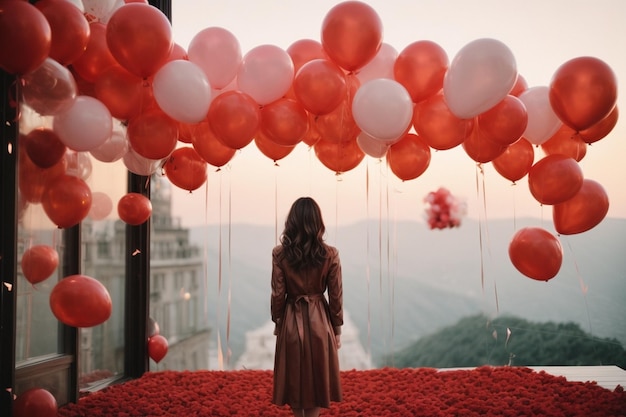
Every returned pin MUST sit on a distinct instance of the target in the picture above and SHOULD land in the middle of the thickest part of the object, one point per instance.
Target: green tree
(478, 340)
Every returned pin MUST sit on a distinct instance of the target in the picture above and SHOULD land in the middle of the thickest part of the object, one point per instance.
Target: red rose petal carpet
(484, 391)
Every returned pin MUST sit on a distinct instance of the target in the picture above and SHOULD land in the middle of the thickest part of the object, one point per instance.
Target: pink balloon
(114, 148)
(140, 165)
(218, 53)
(543, 123)
(101, 206)
(182, 91)
(50, 89)
(78, 165)
(481, 74)
(266, 73)
(372, 146)
(381, 66)
(85, 125)
(383, 109)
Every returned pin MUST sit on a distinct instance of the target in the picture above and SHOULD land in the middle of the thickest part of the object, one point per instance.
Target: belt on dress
(297, 305)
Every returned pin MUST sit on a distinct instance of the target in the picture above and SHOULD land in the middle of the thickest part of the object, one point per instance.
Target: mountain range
(403, 281)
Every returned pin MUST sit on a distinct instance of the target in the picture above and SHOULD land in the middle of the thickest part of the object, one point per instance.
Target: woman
(308, 327)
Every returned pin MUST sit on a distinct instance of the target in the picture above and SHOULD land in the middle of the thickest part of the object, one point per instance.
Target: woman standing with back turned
(308, 326)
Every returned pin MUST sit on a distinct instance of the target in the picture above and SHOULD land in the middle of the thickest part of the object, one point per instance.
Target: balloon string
(205, 256)
(388, 256)
(380, 258)
(583, 287)
(367, 257)
(480, 231)
(229, 306)
(220, 354)
(393, 270)
(276, 208)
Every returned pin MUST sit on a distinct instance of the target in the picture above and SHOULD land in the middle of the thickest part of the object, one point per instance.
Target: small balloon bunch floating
(444, 210)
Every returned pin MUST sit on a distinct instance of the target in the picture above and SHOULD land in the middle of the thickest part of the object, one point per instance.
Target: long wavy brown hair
(303, 236)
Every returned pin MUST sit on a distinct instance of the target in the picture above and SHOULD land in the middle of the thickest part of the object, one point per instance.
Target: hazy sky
(541, 34)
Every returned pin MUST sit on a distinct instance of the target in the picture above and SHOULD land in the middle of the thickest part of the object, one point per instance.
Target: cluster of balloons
(444, 210)
(116, 86)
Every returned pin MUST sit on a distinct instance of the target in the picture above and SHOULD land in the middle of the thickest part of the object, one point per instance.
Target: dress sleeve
(278, 297)
(335, 291)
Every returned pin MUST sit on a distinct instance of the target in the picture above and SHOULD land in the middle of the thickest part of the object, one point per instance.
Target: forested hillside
(476, 340)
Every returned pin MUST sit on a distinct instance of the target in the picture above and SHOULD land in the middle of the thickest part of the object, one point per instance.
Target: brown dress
(306, 365)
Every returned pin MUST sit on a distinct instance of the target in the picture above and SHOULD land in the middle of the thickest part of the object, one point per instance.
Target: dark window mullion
(8, 242)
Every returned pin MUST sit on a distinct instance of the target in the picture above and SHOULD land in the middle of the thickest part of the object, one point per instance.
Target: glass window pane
(176, 298)
(103, 238)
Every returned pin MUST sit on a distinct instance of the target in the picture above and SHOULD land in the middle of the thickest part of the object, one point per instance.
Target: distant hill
(403, 281)
(477, 340)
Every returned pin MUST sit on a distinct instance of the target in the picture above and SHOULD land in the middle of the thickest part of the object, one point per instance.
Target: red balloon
(409, 157)
(32, 180)
(305, 50)
(152, 134)
(122, 92)
(66, 200)
(420, 68)
(39, 262)
(44, 147)
(480, 149)
(157, 347)
(80, 301)
(566, 142)
(320, 86)
(434, 122)
(26, 37)
(139, 36)
(209, 147)
(177, 52)
(515, 162)
(600, 129)
(186, 169)
(554, 179)
(97, 57)
(582, 212)
(352, 34)
(284, 121)
(504, 123)
(312, 135)
(35, 402)
(339, 156)
(583, 91)
(69, 27)
(270, 148)
(519, 87)
(536, 253)
(134, 208)
(339, 124)
(234, 118)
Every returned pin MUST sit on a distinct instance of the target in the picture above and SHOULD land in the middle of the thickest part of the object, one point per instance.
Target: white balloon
(139, 165)
(543, 123)
(98, 10)
(85, 125)
(381, 66)
(114, 148)
(372, 146)
(182, 91)
(481, 74)
(383, 109)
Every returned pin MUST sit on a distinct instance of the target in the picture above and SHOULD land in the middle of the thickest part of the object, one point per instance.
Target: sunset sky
(541, 35)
